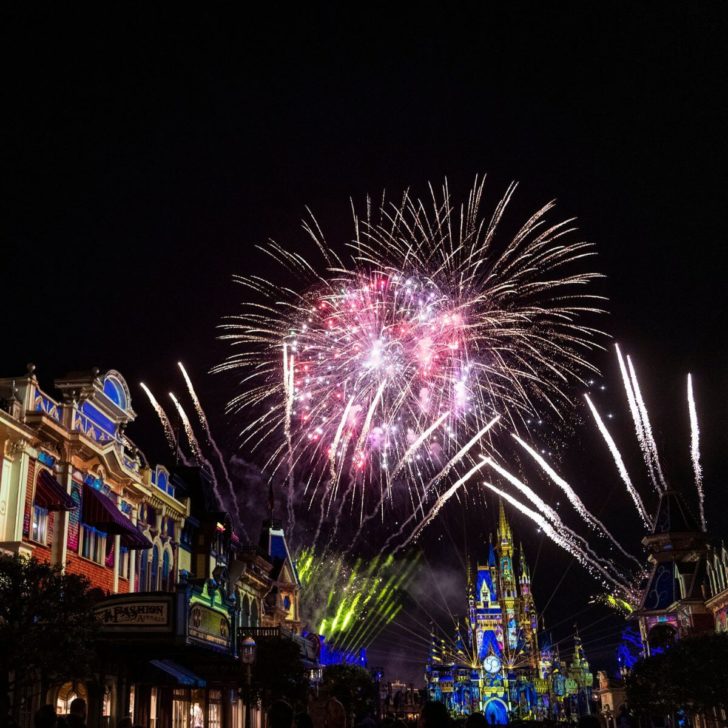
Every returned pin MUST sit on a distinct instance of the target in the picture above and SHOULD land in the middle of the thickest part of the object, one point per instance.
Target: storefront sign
(209, 626)
(146, 615)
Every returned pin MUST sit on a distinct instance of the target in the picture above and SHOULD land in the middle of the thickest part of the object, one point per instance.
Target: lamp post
(247, 658)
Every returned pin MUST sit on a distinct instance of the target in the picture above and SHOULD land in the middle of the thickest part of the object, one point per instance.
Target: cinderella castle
(497, 663)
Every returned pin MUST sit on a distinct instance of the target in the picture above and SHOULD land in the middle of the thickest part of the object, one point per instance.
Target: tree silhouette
(47, 627)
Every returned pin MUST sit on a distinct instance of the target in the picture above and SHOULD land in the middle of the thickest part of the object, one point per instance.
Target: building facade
(176, 586)
(496, 663)
(717, 601)
(673, 603)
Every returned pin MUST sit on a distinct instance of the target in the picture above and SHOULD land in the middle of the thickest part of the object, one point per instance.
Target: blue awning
(181, 675)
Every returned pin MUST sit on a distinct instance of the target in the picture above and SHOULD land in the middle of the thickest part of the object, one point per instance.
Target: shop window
(67, 693)
(180, 708)
(153, 708)
(214, 709)
(93, 544)
(132, 695)
(106, 703)
(197, 709)
(39, 531)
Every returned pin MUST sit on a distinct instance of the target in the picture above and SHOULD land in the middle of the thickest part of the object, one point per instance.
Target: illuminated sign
(208, 626)
(135, 614)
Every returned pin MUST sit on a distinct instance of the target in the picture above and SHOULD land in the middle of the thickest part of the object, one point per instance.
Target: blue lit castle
(495, 663)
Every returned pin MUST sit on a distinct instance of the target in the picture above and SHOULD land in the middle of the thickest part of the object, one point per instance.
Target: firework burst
(376, 369)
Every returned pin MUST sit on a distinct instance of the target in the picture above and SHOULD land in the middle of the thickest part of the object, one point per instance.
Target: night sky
(144, 154)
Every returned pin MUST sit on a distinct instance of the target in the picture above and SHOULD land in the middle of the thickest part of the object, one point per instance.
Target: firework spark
(581, 509)
(196, 449)
(695, 451)
(619, 462)
(636, 418)
(166, 424)
(202, 417)
(646, 426)
(432, 326)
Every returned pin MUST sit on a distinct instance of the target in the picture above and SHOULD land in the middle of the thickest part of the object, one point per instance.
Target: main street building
(176, 586)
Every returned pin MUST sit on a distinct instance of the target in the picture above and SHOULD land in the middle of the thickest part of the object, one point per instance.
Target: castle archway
(496, 712)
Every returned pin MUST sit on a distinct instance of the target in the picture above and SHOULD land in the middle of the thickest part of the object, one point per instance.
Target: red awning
(51, 495)
(101, 512)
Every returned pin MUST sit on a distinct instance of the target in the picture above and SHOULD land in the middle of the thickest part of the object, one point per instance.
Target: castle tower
(529, 616)
(579, 670)
(507, 581)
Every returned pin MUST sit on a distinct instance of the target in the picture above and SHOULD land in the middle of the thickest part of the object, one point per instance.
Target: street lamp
(247, 658)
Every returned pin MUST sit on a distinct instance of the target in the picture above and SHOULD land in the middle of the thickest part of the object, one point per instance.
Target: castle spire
(505, 537)
(504, 528)
(525, 573)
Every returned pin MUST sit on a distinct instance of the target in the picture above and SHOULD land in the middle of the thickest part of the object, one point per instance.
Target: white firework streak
(695, 451)
(637, 419)
(549, 512)
(416, 444)
(646, 423)
(289, 393)
(332, 470)
(197, 451)
(202, 417)
(581, 509)
(352, 481)
(617, 457)
(166, 425)
(437, 506)
(563, 541)
(443, 473)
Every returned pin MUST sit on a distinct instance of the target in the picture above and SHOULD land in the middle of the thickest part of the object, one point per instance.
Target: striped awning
(51, 495)
(181, 675)
(101, 512)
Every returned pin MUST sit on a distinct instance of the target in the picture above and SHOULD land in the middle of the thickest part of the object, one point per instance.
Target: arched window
(154, 576)
(254, 614)
(143, 584)
(165, 570)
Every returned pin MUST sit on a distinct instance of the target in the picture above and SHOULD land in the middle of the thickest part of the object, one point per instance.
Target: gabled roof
(273, 545)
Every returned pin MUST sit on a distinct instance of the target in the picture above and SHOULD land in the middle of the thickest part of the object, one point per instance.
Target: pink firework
(377, 370)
